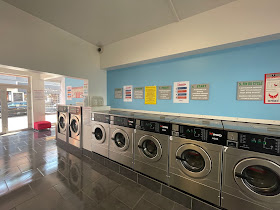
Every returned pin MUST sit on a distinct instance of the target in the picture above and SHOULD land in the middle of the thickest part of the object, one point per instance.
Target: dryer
(195, 157)
(62, 123)
(122, 126)
(75, 126)
(100, 133)
(152, 145)
(251, 167)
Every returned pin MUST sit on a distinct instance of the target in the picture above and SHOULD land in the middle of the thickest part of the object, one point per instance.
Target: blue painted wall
(221, 69)
(74, 83)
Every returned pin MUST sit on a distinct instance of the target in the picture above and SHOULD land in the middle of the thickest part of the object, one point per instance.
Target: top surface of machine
(217, 124)
(62, 108)
(253, 137)
(262, 129)
(75, 110)
(154, 117)
(124, 119)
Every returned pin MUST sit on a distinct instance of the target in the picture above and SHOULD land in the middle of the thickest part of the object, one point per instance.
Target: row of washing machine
(229, 164)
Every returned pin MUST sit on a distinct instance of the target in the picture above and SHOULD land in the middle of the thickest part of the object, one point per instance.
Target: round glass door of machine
(258, 178)
(120, 139)
(193, 160)
(62, 122)
(74, 125)
(150, 148)
(99, 134)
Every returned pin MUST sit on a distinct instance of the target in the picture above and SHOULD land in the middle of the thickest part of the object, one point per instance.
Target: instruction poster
(69, 92)
(272, 88)
(151, 95)
(164, 92)
(77, 92)
(85, 88)
(127, 91)
(138, 93)
(250, 90)
(118, 93)
(200, 92)
(181, 92)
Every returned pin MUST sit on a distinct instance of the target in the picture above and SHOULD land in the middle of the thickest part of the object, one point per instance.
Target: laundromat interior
(140, 104)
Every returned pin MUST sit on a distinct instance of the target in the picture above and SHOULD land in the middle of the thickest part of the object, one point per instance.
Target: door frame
(4, 105)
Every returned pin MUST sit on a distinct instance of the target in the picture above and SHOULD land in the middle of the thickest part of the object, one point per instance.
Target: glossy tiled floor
(36, 174)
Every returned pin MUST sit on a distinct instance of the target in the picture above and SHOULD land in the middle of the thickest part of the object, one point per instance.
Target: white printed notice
(127, 93)
(272, 88)
(181, 92)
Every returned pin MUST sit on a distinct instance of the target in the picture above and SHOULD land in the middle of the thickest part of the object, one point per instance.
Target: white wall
(28, 42)
(237, 23)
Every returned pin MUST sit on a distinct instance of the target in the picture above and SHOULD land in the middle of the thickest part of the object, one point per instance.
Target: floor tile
(145, 205)
(16, 197)
(158, 200)
(3, 188)
(111, 203)
(129, 193)
(180, 207)
(82, 201)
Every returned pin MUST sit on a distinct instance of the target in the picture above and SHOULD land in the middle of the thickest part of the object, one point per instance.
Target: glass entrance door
(14, 108)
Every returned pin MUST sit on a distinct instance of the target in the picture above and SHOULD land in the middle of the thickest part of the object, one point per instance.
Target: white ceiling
(102, 22)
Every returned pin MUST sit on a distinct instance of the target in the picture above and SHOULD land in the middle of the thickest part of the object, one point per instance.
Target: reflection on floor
(36, 174)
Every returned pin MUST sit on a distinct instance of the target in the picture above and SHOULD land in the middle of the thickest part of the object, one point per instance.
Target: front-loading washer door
(150, 148)
(259, 179)
(62, 122)
(98, 134)
(75, 125)
(120, 139)
(193, 160)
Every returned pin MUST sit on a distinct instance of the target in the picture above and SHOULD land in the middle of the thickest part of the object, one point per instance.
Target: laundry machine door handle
(239, 175)
(113, 139)
(93, 133)
(179, 158)
(139, 146)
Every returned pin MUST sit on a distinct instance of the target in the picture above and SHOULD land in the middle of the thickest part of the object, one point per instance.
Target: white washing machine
(152, 145)
(251, 167)
(122, 125)
(100, 133)
(62, 123)
(195, 157)
(75, 126)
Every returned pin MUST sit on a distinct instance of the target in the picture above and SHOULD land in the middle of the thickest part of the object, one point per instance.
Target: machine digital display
(101, 118)
(259, 143)
(156, 127)
(124, 122)
(209, 135)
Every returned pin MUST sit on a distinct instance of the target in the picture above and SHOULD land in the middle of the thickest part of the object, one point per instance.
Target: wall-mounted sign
(127, 91)
(17, 97)
(151, 95)
(250, 90)
(138, 93)
(77, 92)
(85, 88)
(118, 93)
(181, 92)
(164, 92)
(200, 92)
(69, 92)
(272, 88)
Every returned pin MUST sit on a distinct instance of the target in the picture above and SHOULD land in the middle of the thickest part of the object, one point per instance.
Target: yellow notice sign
(151, 95)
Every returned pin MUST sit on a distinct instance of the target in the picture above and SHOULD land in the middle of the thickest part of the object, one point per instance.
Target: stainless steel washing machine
(251, 167)
(195, 157)
(151, 145)
(122, 125)
(100, 133)
(62, 123)
(75, 126)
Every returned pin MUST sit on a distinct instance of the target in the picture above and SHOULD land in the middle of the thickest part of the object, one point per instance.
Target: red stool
(41, 125)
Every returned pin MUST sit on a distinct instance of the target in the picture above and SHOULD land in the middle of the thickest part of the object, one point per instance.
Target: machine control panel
(62, 108)
(152, 126)
(123, 121)
(255, 142)
(209, 135)
(100, 118)
(75, 110)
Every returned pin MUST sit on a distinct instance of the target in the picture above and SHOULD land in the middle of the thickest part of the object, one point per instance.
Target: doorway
(15, 107)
